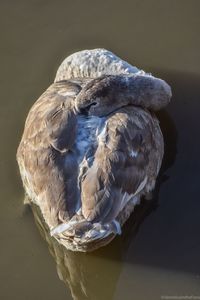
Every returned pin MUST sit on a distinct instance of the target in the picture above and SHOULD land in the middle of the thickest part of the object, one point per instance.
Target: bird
(92, 147)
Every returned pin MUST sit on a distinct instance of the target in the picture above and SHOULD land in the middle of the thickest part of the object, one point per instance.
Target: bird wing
(127, 159)
(44, 155)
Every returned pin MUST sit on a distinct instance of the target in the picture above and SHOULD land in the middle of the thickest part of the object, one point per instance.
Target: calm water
(159, 251)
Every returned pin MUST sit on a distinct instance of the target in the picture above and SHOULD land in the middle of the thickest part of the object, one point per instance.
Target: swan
(92, 147)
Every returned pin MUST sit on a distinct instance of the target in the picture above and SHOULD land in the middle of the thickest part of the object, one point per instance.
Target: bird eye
(86, 109)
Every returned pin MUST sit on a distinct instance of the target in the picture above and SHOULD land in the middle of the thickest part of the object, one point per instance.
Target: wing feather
(45, 153)
(123, 164)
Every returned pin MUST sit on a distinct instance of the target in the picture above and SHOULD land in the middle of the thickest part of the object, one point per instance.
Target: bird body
(92, 147)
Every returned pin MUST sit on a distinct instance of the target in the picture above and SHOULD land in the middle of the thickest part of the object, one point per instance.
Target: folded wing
(45, 153)
(126, 163)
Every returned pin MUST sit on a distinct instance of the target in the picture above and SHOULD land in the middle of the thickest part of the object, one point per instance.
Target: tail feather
(85, 231)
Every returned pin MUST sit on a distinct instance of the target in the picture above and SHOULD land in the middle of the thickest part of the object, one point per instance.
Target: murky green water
(159, 252)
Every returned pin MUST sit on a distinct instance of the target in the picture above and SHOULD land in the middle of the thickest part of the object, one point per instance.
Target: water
(158, 254)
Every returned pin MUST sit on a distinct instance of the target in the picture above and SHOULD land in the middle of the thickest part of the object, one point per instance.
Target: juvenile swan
(92, 147)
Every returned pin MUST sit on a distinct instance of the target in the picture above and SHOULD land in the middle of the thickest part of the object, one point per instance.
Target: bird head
(107, 93)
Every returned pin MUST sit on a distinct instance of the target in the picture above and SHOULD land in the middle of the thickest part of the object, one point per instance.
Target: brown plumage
(90, 149)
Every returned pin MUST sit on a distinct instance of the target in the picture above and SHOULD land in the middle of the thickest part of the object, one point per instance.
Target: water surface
(158, 254)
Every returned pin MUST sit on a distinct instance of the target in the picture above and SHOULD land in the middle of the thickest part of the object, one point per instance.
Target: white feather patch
(133, 153)
(67, 93)
(63, 227)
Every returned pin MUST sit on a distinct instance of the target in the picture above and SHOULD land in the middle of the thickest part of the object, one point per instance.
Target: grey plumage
(117, 91)
(90, 149)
